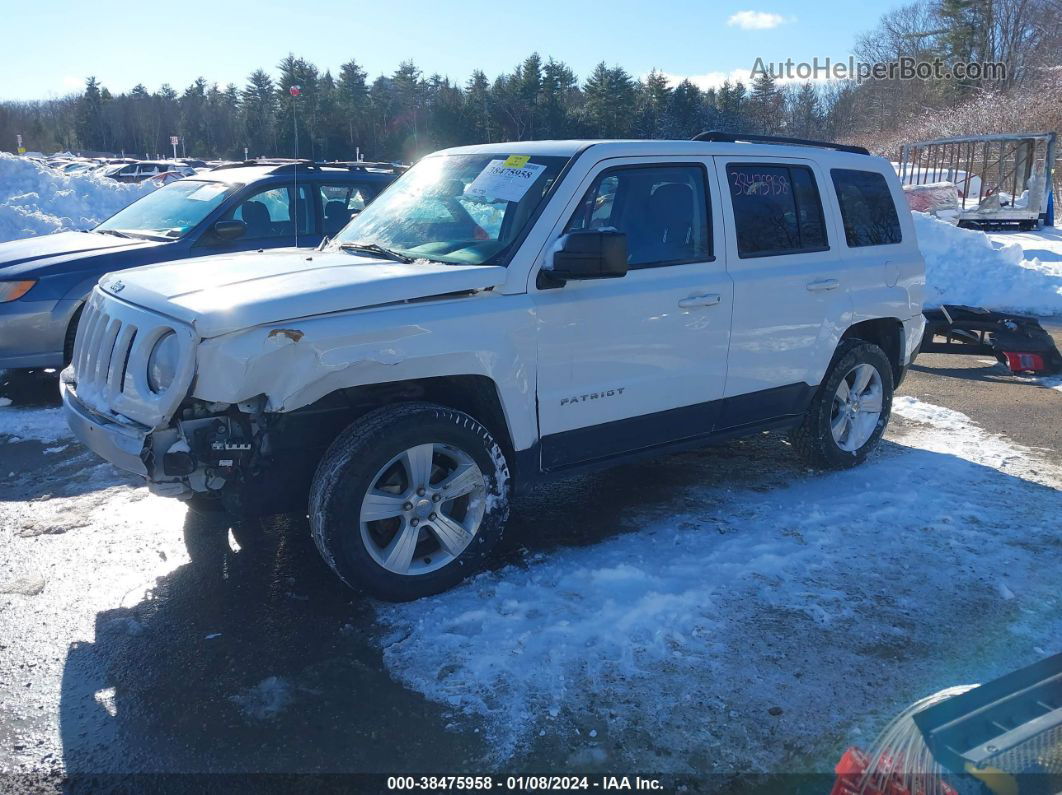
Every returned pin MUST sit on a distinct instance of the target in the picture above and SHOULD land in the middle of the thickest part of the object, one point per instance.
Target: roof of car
(635, 147)
(245, 174)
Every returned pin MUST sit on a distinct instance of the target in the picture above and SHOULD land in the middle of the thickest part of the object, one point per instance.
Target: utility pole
(295, 91)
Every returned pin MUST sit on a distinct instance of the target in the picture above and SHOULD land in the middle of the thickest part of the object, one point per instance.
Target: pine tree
(478, 107)
(805, 115)
(560, 89)
(353, 101)
(609, 98)
(685, 112)
(408, 89)
(654, 95)
(89, 125)
(258, 102)
(301, 109)
(765, 105)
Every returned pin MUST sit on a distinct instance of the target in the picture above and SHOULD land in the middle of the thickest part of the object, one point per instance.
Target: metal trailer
(1017, 341)
(1002, 180)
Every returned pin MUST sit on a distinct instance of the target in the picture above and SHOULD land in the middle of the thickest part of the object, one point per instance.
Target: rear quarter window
(777, 209)
(867, 208)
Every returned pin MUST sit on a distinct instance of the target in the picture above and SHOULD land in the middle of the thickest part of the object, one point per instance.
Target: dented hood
(220, 294)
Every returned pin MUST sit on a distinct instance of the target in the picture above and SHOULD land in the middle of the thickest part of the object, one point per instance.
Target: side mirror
(230, 230)
(590, 254)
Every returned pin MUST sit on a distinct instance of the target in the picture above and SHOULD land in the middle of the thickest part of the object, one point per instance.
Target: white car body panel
(295, 364)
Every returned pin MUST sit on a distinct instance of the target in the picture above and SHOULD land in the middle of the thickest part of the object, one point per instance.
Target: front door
(270, 215)
(633, 362)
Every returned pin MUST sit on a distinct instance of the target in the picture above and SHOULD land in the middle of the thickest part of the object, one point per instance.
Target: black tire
(346, 473)
(813, 438)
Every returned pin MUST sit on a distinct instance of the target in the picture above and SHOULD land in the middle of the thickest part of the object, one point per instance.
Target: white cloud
(757, 20)
(740, 75)
(709, 79)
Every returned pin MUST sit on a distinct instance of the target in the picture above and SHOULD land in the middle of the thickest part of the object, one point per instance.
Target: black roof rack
(719, 136)
(365, 165)
(278, 163)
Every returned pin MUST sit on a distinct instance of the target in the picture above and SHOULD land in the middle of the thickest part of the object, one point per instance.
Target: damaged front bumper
(122, 445)
(161, 456)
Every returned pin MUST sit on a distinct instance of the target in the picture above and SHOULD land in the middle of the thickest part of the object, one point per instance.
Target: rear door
(630, 363)
(880, 260)
(791, 300)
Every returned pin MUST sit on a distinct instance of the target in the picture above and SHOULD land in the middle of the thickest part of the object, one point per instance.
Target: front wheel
(409, 500)
(850, 410)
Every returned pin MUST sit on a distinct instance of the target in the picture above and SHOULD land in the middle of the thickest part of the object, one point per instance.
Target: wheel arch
(476, 395)
(71, 333)
(298, 439)
(885, 332)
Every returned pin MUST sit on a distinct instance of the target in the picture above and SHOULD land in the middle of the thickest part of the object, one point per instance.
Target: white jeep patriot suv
(501, 314)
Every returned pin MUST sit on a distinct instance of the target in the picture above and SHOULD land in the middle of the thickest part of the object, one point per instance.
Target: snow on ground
(43, 425)
(36, 200)
(693, 630)
(1008, 271)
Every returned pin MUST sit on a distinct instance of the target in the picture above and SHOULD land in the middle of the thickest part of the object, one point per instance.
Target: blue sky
(51, 46)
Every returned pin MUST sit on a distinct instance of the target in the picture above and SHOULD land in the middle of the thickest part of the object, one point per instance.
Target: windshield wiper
(114, 232)
(375, 248)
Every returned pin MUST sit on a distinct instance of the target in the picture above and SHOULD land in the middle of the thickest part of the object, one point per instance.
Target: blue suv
(245, 206)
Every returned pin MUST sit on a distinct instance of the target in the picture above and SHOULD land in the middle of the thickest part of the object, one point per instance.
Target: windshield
(170, 211)
(461, 209)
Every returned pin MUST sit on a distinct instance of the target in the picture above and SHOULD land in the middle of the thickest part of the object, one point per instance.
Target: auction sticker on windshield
(507, 179)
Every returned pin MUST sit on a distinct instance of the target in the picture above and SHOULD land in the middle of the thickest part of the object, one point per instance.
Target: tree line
(405, 114)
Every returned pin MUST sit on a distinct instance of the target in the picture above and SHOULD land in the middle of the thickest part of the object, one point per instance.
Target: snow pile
(964, 266)
(35, 200)
(706, 633)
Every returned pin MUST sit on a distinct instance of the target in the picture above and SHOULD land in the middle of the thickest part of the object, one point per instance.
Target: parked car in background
(139, 171)
(44, 280)
(177, 170)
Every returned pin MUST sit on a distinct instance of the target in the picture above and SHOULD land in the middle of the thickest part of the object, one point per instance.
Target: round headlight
(162, 363)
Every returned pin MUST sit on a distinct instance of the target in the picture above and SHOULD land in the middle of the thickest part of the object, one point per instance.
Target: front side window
(461, 209)
(269, 213)
(169, 212)
(661, 209)
(777, 209)
(867, 208)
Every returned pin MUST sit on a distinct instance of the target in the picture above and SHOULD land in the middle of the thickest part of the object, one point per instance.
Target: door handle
(822, 285)
(710, 299)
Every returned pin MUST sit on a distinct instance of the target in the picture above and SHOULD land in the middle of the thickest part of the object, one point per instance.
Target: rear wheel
(409, 500)
(850, 410)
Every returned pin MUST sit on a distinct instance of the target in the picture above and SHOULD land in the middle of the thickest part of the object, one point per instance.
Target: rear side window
(777, 209)
(867, 208)
(663, 210)
(340, 202)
